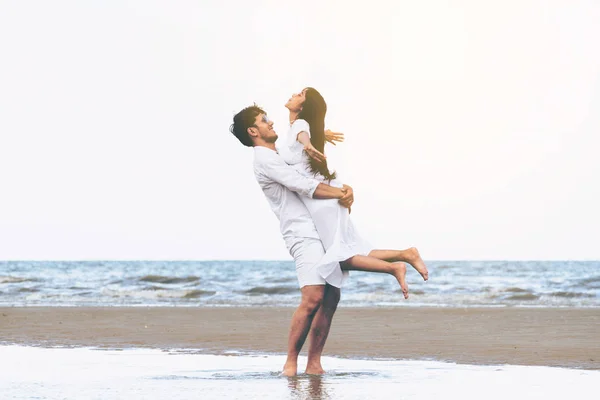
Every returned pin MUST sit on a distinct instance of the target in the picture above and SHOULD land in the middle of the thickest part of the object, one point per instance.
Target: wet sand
(561, 337)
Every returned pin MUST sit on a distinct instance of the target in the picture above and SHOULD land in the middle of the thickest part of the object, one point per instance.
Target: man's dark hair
(244, 120)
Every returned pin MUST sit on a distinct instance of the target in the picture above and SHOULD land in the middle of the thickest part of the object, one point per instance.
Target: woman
(345, 250)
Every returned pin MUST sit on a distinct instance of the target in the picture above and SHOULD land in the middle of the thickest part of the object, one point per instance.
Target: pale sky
(472, 128)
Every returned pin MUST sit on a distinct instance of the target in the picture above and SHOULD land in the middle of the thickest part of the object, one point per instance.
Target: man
(279, 181)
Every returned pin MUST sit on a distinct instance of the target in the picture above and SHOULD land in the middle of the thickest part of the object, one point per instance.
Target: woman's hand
(314, 153)
(333, 137)
(348, 197)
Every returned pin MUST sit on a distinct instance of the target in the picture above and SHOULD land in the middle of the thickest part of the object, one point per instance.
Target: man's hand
(314, 153)
(333, 137)
(348, 198)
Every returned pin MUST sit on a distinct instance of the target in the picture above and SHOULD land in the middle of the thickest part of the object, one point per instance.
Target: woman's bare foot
(414, 259)
(400, 274)
(290, 369)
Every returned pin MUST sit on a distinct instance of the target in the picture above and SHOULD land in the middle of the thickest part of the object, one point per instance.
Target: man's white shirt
(278, 182)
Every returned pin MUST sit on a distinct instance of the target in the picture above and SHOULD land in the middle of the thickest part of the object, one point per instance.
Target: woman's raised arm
(333, 137)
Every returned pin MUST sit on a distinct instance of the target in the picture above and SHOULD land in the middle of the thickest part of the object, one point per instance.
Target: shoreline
(555, 337)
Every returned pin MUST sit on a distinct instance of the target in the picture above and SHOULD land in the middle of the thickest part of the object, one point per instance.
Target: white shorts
(307, 253)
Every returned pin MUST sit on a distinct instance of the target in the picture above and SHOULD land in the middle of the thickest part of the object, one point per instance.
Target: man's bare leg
(410, 256)
(312, 298)
(320, 329)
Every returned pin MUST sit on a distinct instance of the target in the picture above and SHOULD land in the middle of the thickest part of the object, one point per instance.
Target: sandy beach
(520, 336)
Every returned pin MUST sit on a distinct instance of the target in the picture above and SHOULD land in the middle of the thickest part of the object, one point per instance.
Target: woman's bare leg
(373, 264)
(410, 256)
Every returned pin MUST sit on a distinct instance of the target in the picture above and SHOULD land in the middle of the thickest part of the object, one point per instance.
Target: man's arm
(277, 170)
(324, 191)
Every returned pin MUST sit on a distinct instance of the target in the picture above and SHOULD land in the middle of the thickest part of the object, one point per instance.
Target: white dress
(333, 223)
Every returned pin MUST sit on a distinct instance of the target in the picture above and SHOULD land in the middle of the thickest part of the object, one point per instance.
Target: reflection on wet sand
(305, 387)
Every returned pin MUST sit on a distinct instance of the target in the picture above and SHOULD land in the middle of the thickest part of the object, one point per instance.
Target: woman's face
(295, 102)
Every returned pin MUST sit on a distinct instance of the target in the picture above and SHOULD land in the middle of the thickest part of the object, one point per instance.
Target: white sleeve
(298, 126)
(277, 170)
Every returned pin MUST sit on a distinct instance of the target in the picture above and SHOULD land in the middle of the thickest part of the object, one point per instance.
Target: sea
(34, 372)
(274, 283)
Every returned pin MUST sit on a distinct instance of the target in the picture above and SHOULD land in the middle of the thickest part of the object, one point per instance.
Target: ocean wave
(194, 294)
(524, 296)
(445, 266)
(415, 292)
(374, 288)
(15, 279)
(516, 290)
(592, 282)
(154, 288)
(28, 290)
(283, 280)
(272, 290)
(572, 295)
(158, 294)
(168, 279)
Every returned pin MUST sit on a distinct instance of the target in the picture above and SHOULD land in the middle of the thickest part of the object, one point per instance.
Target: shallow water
(81, 373)
(274, 283)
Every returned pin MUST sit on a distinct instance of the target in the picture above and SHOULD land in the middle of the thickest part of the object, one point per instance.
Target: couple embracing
(313, 208)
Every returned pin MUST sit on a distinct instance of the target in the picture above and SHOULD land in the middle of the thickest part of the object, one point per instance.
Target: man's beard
(272, 139)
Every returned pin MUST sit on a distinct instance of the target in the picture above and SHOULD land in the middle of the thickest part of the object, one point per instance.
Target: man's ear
(252, 131)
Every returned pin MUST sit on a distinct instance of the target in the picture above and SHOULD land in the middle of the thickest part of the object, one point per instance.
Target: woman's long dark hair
(313, 112)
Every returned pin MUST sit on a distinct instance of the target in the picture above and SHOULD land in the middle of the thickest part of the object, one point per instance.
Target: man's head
(252, 127)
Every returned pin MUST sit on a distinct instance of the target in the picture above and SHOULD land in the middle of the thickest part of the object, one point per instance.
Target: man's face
(263, 128)
(295, 102)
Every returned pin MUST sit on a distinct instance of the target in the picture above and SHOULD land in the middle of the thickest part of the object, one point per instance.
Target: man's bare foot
(400, 274)
(314, 369)
(417, 262)
(290, 369)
